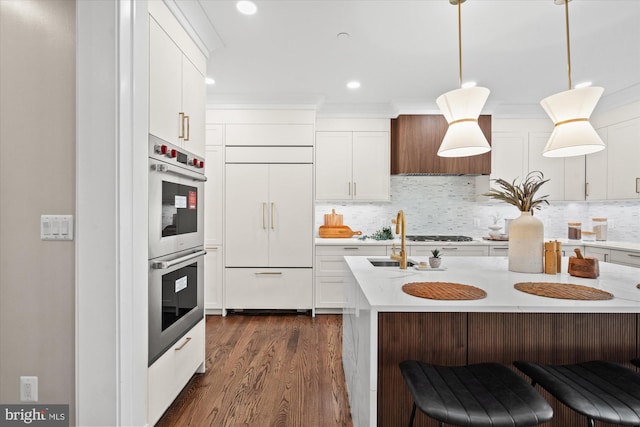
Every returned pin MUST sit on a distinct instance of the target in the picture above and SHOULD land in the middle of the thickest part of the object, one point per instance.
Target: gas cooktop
(439, 238)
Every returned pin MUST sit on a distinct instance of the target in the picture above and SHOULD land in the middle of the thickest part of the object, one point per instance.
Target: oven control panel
(166, 152)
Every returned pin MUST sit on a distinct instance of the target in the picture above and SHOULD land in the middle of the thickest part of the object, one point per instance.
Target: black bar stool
(636, 362)
(485, 394)
(599, 390)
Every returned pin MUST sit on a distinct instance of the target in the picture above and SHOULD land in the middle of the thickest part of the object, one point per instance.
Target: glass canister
(600, 228)
(575, 231)
(588, 236)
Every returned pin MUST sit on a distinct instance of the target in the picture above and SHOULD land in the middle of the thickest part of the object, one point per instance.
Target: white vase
(526, 244)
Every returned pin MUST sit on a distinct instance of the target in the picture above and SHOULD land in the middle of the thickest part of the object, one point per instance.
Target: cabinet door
(165, 84)
(214, 167)
(551, 167)
(596, 172)
(333, 165)
(509, 155)
(623, 160)
(371, 165)
(290, 215)
(602, 254)
(193, 106)
(213, 278)
(247, 212)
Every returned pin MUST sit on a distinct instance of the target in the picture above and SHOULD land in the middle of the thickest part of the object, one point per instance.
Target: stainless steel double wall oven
(176, 244)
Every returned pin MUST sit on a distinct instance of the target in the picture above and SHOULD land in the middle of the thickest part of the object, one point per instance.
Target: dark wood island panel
(459, 338)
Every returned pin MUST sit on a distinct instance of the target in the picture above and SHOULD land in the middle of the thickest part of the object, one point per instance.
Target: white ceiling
(405, 52)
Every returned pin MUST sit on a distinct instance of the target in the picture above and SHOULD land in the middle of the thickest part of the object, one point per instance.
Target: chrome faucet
(401, 226)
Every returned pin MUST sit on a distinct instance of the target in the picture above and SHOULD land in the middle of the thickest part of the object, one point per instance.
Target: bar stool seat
(485, 394)
(636, 362)
(599, 390)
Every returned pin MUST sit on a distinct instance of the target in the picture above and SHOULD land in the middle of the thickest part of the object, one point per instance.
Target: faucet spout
(401, 226)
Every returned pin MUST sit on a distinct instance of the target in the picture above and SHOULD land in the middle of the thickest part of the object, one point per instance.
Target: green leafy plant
(383, 234)
(435, 253)
(522, 194)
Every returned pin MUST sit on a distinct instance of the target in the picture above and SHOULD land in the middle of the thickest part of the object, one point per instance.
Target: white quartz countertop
(382, 286)
(626, 246)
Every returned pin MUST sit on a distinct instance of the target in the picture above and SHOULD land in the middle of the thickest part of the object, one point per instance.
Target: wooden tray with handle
(342, 231)
(580, 266)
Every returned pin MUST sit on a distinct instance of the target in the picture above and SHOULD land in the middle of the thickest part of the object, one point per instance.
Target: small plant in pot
(435, 260)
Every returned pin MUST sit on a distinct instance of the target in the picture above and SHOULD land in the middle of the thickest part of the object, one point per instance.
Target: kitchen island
(383, 326)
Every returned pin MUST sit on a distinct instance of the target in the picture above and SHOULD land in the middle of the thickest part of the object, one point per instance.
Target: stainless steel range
(439, 238)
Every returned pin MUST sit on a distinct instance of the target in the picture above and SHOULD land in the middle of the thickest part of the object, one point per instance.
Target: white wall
(37, 176)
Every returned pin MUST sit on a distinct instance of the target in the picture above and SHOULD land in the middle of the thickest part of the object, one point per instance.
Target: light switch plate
(56, 227)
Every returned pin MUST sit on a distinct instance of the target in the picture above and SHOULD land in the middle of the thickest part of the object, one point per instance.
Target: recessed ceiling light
(343, 36)
(583, 84)
(466, 85)
(209, 81)
(246, 7)
(353, 85)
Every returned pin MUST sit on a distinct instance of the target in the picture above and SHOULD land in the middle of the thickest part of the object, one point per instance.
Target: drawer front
(450, 250)
(269, 288)
(625, 257)
(351, 250)
(171, 372)
(601, 254)
(330, 265)
(329, 292)
(498, 250)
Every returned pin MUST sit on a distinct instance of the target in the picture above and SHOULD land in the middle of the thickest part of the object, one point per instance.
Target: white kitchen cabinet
(177, 93)
(501, 250)
(597, 171)
(214, 134)
(171, 372)
(450, 250)
(623, 160)
(329, 272)
(268, 135)
(630, 258)
(269, 288)
(214, 171)
(602, 254)
(352, 165)
(213, 277)
(269, 218)
(570, 250)
(509, 154)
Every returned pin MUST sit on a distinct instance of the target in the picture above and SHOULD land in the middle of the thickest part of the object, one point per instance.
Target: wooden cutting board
(342, 231)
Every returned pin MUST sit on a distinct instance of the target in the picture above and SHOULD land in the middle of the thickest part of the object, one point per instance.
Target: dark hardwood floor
(267, 370)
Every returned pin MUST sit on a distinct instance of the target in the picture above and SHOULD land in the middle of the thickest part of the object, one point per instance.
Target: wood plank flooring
(267, 370)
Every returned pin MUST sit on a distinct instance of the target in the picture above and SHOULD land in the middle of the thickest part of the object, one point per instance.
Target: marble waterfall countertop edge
(382, 286)
(626, 246)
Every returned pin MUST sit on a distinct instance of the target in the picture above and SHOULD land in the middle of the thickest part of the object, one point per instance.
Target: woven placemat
(562, 291)
(443, 291)
(638, 286)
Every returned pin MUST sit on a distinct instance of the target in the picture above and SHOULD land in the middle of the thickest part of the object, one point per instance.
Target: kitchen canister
(588, 236)
(600, 228)
(575, 231)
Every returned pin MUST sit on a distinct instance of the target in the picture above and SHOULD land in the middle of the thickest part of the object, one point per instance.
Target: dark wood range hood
(415, 140)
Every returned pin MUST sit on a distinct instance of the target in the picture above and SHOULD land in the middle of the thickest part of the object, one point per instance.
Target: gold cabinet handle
(269, 273)
(354, 189)
(181, 115)
(186, 138)
(349, 186)
(183, 344)
(264, 215)
(273, 226)
(637, 185)
(586, 189)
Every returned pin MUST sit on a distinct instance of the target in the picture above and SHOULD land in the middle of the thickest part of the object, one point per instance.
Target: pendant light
(570, 110)
(461, 108)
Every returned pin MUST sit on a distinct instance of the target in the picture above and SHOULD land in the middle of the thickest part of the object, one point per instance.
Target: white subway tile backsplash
(447, 205)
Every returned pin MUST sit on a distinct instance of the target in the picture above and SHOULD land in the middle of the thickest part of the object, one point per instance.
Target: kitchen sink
(388, 262)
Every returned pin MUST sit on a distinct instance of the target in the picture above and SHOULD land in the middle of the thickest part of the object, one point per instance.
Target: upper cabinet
(415, 140)
(352, 165)
(177, 92)
(597, 171)
(623, 160)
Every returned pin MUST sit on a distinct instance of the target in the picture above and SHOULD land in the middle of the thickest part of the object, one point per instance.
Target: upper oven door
(176, 208)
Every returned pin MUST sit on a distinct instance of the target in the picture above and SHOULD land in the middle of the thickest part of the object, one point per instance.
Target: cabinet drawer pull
(181, 125)
(273, 226)
(264, 215)
(449, 249)
(349, 186)
(586, 189)
(347, 248)
(269, 273)
(354, 189)
(186, 138)
(637, 185)
(500, 249)
(186, 341)
(633, 256)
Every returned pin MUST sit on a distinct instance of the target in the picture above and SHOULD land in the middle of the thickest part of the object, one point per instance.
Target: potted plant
(435, 260)
(526, 233)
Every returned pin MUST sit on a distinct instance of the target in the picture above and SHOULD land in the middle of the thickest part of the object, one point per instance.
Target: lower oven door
(176, 298)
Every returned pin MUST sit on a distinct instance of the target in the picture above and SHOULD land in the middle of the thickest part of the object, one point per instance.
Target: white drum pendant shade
(461, 108)
(572, 135)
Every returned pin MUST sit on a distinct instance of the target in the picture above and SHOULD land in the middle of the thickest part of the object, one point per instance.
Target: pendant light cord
(566, 14)
(460, 44)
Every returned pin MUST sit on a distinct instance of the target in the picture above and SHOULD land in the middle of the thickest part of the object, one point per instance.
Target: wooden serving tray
(563, 291)
(343, 231)
(443, 291)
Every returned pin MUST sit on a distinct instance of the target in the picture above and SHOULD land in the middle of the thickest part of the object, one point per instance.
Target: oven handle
(163, 265)
(166, 169)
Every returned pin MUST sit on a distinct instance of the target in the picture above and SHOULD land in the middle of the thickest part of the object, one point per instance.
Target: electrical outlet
(28, 389)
